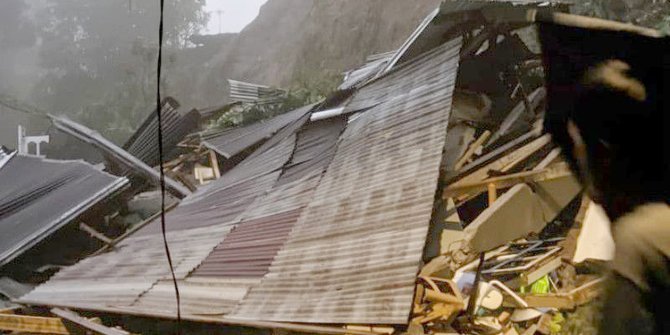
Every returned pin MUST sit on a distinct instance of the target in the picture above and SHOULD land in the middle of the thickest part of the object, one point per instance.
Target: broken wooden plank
(520, 211)
(214, 162)
(472, 149)
(551, 157)
(554, 172)
(86, 324)
(493, 155)
(94, 233)
(497, 165)
(32, 324)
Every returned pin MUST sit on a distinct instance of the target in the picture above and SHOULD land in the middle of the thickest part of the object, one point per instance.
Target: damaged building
(424, 183)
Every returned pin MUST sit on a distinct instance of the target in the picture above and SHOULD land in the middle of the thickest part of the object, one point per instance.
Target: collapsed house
(39, 200)
(372, 208)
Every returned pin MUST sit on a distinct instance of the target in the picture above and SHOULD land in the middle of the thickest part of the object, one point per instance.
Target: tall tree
(100, 57)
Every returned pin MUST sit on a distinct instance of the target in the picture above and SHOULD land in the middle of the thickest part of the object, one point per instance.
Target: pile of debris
(532, 249)
(429, 159)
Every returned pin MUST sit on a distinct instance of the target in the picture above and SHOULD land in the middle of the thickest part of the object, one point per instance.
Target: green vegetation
(306, 89)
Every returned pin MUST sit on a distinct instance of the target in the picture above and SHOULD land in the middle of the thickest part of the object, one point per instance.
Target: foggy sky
(236, 14)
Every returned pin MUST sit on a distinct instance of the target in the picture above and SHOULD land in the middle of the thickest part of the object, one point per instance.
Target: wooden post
(91, 231)
(493, 193)
(215, 164)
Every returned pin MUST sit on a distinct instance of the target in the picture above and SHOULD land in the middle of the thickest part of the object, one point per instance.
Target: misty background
(94, 61)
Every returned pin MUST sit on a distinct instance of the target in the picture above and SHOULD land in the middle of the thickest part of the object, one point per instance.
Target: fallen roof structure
(177, 122)
(116, 154)
(244, 92)
(230, 142)
(327, 221)
(39, 196)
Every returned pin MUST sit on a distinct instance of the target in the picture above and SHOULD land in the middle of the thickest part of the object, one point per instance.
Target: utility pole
(219, 12)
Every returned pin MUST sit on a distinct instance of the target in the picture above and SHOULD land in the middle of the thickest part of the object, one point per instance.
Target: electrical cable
(162, 172)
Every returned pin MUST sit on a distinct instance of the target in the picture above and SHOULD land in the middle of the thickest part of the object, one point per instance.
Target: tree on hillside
(100, 57)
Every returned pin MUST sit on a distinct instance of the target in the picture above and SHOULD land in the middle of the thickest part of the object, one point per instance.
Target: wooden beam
(493, 155)
(554, 172)
(94, 233)
(497, 165)
(214, 162)
(88, 325)
(32, 324)
(493, 193)
(472, 149)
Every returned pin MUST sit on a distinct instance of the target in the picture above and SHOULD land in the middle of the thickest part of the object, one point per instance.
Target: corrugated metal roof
(223, 201)
(360, 75)
(176, 122)
(249, 249)
(402, 79)
(119, 155)
(253, 93)
(353, 255)
(38, 196)
(253, 244)
(118, 278)
(5, 156)
(230, 142)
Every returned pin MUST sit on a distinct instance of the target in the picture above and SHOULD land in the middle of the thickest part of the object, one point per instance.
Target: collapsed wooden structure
(372, 208)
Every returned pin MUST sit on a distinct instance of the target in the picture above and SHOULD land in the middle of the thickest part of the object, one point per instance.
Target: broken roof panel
(117, 278)
(119, 155)
(241, 91)
(378, 192)
(177, 122)
(250, 248)
(39, 196)
(373, 64)
(230, 142)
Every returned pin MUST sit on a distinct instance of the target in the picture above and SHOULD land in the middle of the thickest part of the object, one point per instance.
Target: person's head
(613, 132)
(608, 99)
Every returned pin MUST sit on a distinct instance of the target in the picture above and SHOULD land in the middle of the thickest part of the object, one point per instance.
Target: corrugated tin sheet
(253, 93)
(118, 278)
(353, 255)
(38, 196)
(373, 65)
(223, 201)
(252, 245)
(317, 142)
(209, 297)
(402, 79)
(176, 122)
(230, 142)
(119, 155)
(249, 249)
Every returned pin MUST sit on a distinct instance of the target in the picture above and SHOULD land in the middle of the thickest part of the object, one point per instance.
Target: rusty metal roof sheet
(230, 142)
(378, 192)
(252, 245)
(249, 249)
(39, 196)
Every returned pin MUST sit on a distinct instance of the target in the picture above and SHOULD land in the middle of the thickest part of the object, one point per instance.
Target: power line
(162, 172)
